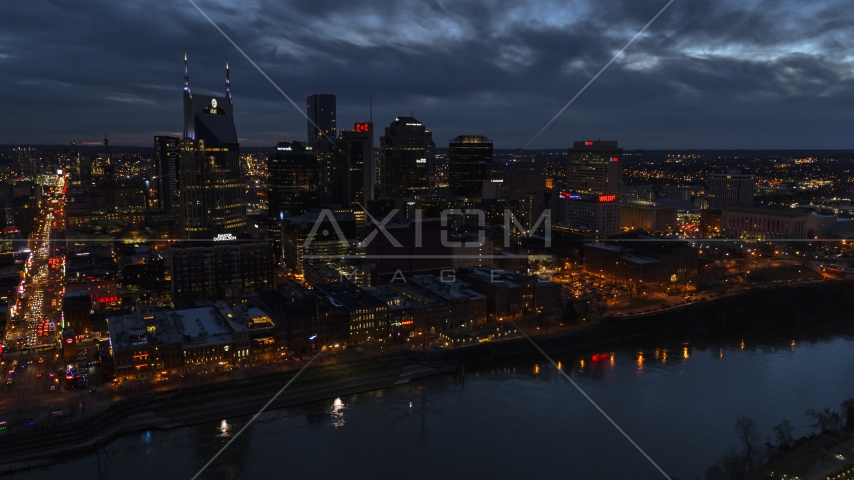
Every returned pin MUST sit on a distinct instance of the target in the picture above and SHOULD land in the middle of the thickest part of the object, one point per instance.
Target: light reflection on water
(336, 413)
(224, 429)
(526, 421)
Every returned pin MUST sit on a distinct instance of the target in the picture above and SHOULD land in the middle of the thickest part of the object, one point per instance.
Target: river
(517, 420)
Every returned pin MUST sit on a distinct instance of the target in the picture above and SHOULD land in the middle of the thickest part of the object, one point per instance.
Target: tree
(748, 433)
(834, 422)
(825, 420)
(732, 466)
(783, 432)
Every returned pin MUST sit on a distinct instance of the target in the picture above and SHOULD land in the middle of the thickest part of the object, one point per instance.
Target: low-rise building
(411, 313)
(102, 294)
(207, 340)
(643, 261)
(652, 217)
(367, 316)
(466, 307)
(761, 222)
(504, 297)
(77, 311)
(310, 321)
(214, 337)
(143, 345)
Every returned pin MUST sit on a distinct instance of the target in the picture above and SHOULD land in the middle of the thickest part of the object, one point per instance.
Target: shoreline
(812, 310)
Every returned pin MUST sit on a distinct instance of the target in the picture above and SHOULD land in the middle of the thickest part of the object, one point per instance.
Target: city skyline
(723, 76)
(596, 232)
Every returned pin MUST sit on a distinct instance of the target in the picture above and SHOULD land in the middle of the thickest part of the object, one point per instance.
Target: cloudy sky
(706, 74)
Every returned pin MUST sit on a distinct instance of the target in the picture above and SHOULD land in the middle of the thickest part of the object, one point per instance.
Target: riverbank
(789, 310)
(180, 408)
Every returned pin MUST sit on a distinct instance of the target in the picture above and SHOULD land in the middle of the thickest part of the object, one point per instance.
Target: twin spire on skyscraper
(187, 78)
(186, 75)
(227, 82)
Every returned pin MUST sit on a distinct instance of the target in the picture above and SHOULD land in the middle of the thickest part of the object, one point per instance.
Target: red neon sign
(607, 198)
(614, 159)
(362, 127)
(588, 143)
(407, 322)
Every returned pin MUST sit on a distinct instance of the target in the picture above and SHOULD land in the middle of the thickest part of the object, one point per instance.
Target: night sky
(706, 74)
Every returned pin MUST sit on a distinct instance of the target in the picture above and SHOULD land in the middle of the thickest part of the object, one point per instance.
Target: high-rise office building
(321, 116)
(594, 167)
(357, 154)
(25, 161)
(210, 180)
(523, 178)
(469, 158)
(293, 181)
(731, 188)
(166, 159)
(407, 147)
(323, 139)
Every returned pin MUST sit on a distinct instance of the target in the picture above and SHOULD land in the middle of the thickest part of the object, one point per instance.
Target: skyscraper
(357, 152)
(323, 138)
(731, 188)
(166, 159)
(594, 167)
(293, 181)
(593, 176)
(406, 147)
(321, 116)
(523, 178)
(469, 158)
(209, 174)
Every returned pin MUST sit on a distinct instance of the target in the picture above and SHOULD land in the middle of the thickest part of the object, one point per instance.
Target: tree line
(750, 460)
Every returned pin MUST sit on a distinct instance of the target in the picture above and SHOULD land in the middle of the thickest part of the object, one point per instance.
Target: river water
(517, 420)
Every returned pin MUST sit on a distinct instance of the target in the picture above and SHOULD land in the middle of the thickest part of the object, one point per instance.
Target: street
(33, 374)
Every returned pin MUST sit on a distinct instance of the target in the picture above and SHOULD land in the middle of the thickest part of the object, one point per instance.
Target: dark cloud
(726, 74)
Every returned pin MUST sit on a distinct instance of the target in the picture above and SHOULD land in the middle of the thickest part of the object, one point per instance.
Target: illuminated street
(34, 369)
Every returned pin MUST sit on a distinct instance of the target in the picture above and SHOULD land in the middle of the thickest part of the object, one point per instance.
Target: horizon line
(692, 149)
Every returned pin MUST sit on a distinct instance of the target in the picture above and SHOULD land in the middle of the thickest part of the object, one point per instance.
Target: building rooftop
(349, 295)
(243, 319)
(390, 296)
(604, 246)
(140, 328)
(492, 276)
(200, 326)
(76, 300)
(680, 204)
(766, 210)
(446, 290)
